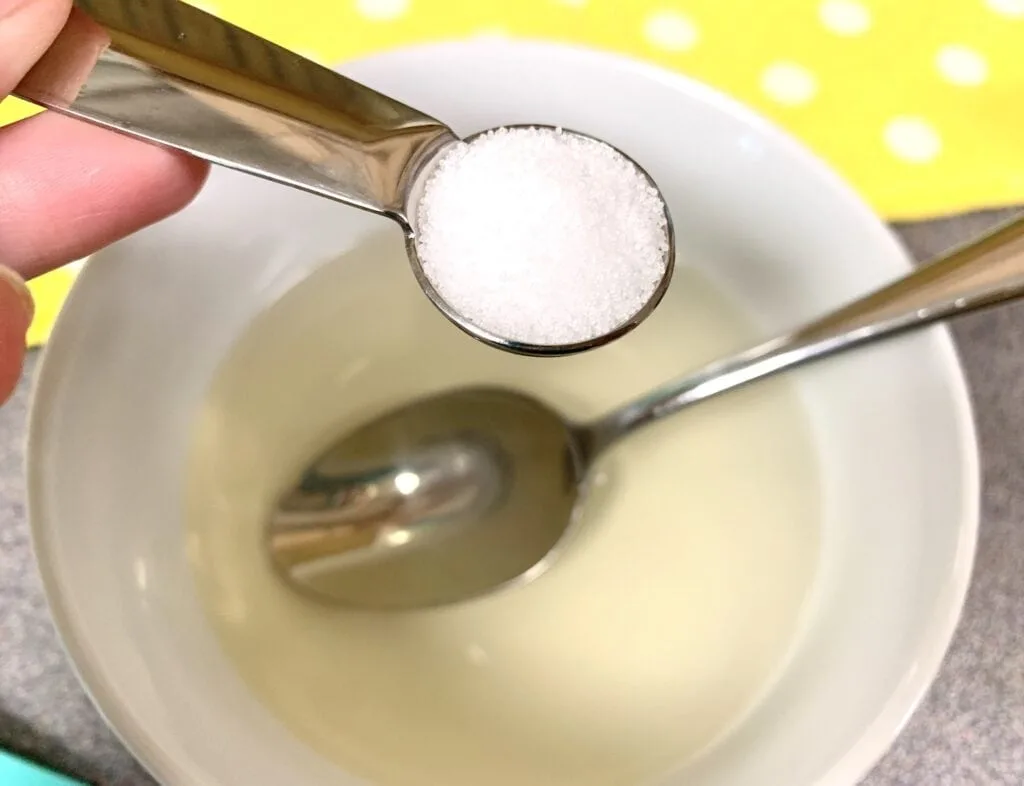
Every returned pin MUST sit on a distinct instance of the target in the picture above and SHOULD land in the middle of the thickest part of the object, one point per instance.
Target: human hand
(66, 188)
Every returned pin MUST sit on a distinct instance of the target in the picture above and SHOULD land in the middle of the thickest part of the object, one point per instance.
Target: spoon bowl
(445, 498)
(408, 221)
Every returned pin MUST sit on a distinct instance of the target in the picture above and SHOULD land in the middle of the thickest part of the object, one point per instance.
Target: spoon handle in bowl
(169, 73)
(984, 273)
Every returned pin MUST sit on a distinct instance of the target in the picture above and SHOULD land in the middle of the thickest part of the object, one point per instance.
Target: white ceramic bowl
(151, 318)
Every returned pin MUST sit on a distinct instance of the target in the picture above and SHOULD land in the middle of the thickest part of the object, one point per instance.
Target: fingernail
(9, 278)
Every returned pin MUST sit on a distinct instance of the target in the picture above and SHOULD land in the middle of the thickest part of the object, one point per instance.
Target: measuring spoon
(169, 73)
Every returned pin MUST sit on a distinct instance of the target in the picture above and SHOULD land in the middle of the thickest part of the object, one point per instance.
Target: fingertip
(163, 181)
(187, 175)
(15, 290)
(15, 318)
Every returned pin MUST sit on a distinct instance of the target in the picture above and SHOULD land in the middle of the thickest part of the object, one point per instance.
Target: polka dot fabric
(918, 103)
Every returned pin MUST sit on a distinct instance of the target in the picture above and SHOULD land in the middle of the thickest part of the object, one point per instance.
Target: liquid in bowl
(662, 626)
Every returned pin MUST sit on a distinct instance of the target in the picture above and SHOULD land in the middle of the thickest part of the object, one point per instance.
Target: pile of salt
(542, 236)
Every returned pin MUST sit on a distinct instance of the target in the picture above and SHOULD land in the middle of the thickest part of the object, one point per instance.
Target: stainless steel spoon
(456, 495)
(169, 73)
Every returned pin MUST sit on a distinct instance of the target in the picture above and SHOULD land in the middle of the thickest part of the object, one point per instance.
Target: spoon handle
(982, 274)
(169, 73)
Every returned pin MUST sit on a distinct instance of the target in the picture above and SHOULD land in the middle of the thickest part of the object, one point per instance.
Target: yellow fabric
(918, 103)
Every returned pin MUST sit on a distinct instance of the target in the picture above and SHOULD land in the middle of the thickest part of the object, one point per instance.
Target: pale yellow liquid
(662, 625)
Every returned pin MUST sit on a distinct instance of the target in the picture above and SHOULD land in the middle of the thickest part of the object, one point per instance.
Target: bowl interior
(151, 318)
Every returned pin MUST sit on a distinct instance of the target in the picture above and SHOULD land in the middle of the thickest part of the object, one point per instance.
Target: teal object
(15, 771)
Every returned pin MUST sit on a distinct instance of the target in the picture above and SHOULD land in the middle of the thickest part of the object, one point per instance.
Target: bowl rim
(876, 738)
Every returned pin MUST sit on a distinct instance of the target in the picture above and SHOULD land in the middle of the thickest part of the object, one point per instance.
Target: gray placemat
(969, 732)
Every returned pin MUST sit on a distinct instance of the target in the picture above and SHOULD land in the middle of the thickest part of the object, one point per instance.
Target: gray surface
(969, 732)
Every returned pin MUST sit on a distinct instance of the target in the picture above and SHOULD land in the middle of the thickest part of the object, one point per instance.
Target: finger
(27, 28)
(15, 316)
(57, 79)
(68, 188)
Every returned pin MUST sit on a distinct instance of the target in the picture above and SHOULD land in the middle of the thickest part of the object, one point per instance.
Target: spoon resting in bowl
(462, 493)
(171, 74)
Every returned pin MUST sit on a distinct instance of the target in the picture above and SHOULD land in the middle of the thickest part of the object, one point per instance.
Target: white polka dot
(382, 10)
(789, 83)
(671, 30)
(845, 17)
(1012, 8)
(912, 139)
(962, 65)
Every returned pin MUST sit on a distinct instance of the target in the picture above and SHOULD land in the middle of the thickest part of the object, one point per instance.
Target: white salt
(542, 236)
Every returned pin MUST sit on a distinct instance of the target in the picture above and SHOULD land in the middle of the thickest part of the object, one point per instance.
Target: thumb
(15, 317)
